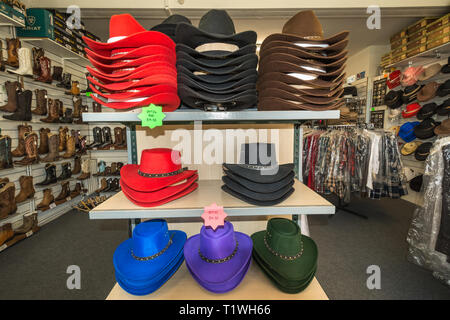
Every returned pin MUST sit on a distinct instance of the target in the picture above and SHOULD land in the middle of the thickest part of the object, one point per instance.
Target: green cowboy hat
(286, 256)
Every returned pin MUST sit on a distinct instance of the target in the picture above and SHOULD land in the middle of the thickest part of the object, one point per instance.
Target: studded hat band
(155, 255)
(288, 258)
(161, 175)
(219, 260)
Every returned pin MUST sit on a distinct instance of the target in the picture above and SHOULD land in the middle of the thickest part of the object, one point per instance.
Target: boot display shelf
(6, 20)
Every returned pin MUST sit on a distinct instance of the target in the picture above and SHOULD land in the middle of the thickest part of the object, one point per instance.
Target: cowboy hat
(446, 67)
(425, 129)
(225, 88)
(394, 79)
(215, 63)
(306, 92)
(422, 151)
(444, 89)
(294, 81)
(288, 96)
(141, 72)
(218, 259)
(228, 70)
(217, 79)
(443, 129)
(107, 68)
(256, 202)
(137, 92)
(128, 53)
(429, 72)
(394, 99)
(334, 49)
(274, 103)
(167, 100)
(410, 147)
(301, 61)
(444, 108)
(299, 53)
(260, 187)
(169, 25)
(310, 71)
(410, 93)
(154, 79)
(428, 91)
(427, 111)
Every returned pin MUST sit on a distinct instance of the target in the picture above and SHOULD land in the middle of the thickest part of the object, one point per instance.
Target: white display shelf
(302, 201)
(426, 57)
(183, 115)
(57, 49)
(8, 21)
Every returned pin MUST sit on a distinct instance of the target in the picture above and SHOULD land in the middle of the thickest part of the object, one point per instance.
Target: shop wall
(366, 60)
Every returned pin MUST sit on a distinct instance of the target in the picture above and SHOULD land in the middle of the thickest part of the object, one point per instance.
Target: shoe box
(15, 12)
(39, 23)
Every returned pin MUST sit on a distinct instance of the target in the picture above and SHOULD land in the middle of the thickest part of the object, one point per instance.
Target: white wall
(366, 60)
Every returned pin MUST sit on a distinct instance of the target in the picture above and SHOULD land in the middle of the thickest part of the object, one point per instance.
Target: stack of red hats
(134, 68)
(159, 178)
(394, 79)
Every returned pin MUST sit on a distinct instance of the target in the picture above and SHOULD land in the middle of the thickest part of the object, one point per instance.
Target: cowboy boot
(82, 150)
(83, 109)
(119, 144)
(26, 189)
(96, 107)
(20, 150)
(88, 84)
(2, 63)
(66, 171)
(70, 148)
(76, 165)
(41, 102)
(65, 192)
(107, 139)
(11, 89)
(46, 200)
(101, 168)
(85, 172)
(53, 145)
(6, 232)
(57, 73)
(113, 168)
(29, 222)
(66, 81)
(124, 138)
(75, 89)
(77, 191)
(53, 112)
(98, 138)
(25, 63)
(37, 54)
(77, 102)
(103, 185)
(119, 167)
(46, 66)
(60, 105)
(50, 175)
(13, 58)
(31, 155)
(5, 206)
(6, 161)
(23, 111)
(67, 117)
(43, 145)
(62, 138)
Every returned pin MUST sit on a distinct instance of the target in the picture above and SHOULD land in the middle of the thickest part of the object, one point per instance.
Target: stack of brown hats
(300, 68)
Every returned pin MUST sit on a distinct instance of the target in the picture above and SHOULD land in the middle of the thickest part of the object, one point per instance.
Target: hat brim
(410, 114)
(217, 79)
(138, 92)
(168, 101)
(285, 95)
(299, 53)
(132, 53)
(225, 88)
(159, 65)
(137, 73)
(287, 67)
(216, 63)
(194, 37)
(260, 187)
(290, 80)
(343, 35)
(257, 195)
(158, 195)
(405, 152)
(303, 92)
(107, 68)
(218, 273)
(217, 54)
(130, 176)
(258, 175)
(136, 40)
(257, 202)
(152, 80)
(440, 131)
(317, 51)
(301, 61)
(194, 67)
(274, 103)
(298, 269)
(443, 110)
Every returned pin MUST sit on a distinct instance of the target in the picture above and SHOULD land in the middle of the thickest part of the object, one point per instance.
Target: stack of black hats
(169, 25)
(258, 179)
(216, 66)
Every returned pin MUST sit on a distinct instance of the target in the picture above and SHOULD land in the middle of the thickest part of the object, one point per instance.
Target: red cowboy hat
(138, 92)
(159, 194)
(167, 100)
(136, 73)
(127, 85)
(119, 73)
(159, 168)
(132, 63)
(126, 32)
(128, 53)
(191, 188)
(411, 110)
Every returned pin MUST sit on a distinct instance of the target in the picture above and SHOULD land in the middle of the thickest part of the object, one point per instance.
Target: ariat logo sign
(31, 20)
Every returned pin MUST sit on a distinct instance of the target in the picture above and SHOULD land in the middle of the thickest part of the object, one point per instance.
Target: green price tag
(373, 109)
(88, 94)
(152, 116)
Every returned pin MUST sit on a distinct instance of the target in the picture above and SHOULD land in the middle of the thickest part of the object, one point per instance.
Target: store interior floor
(36, 267)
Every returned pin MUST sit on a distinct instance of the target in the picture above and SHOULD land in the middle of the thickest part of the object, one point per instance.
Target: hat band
(279, 255)
(155, 255)
(255, 167)
(219, 260)
(160, 175)
(217, 46)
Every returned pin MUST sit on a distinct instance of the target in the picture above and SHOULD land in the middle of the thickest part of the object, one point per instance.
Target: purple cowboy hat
(218, 260)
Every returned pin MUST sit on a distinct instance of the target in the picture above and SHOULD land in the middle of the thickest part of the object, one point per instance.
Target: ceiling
(266, 22)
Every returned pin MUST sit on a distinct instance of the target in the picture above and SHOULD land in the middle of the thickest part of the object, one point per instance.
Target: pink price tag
(214, 216)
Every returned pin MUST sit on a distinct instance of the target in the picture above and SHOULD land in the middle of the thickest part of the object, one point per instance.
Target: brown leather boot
(20, 150)
(53, 148)
(6, 233)
(41, 102)
(75, 90)
(97, 107)
(53, 112)
(13, 56)
(70, 147)
(77, 191)
(29, 222)
(103, 185)
(85, 172)
(7, 205)
(46, 200)
(11, 90)
(65, 192)
(43, 145)
(77, 104)
(76, 165)
(2, 63)
(62, 138)
(57, 73)
(119, 144)
(6, 160)
(37, 54)
(31, 155)
(26, 189)
(46, 66)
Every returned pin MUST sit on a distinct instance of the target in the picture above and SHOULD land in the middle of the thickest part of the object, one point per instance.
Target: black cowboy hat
(446, 67)
(169, 25)
(216, 79)
(423, 151)
(260, 187)
(427, 111)
(444, 89)
(255, 201)
(221, 88)
(444, 108)
(194, 67)
(215, 63)
(216, 54)
(393, 99)
(425, 129)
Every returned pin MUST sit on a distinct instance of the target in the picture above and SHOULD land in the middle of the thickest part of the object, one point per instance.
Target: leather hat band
(219, 260)
(161, 175)
(289, 258)
(155, 255)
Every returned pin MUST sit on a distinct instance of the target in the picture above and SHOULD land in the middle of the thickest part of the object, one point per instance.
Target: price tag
(88, 94)
(152, 116)
(214, 216)
(52, 205)
(29, 233)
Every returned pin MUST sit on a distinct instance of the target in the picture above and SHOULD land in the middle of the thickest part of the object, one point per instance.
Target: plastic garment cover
(426, 222)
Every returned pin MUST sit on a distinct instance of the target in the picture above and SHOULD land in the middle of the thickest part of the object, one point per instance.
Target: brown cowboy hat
(328, 92)
(329, 50)
(299, 53)
(285, 95)
(299, 83)
(428, 91)
(275, 103)
(300, 61)
(443, 129)
(287, 67)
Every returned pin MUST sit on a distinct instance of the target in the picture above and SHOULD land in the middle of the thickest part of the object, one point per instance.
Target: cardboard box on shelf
(39, 24)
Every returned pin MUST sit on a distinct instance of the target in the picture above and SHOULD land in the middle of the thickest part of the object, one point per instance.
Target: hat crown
(217, 22)
(160, 160)
(284, 236)
(219, 243)
(150, 237)
(123, 25)
(304, 24)
(258, 154)
(175, 19)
